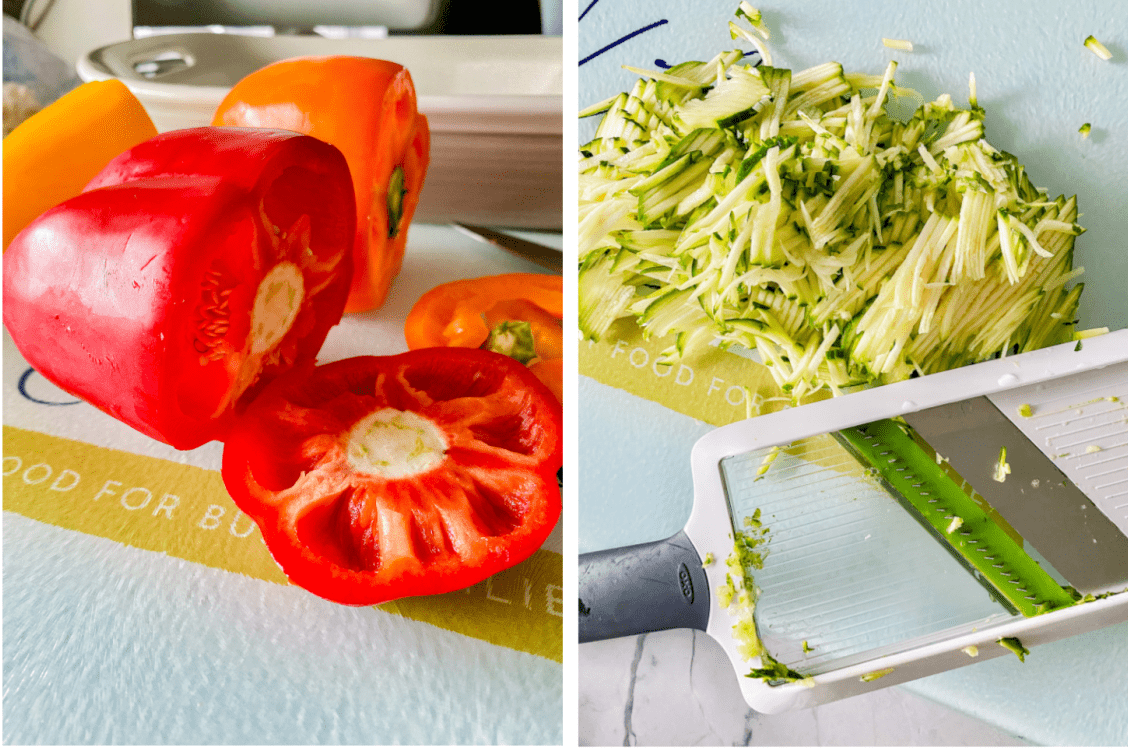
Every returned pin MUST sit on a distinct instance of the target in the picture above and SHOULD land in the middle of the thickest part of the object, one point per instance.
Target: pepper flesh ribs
(376, 478)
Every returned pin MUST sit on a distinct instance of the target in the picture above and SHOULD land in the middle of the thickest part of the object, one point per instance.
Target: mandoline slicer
(898, 531)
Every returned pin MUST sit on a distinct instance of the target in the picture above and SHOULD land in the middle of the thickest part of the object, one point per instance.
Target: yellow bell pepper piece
(53, 154)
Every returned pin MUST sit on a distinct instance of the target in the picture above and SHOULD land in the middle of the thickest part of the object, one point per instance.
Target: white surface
(104, 643)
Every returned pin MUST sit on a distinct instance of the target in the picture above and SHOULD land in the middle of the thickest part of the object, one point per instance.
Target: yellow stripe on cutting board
(713, 386)
(185, 512)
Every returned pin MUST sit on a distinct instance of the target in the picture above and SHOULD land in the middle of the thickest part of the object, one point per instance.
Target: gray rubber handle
(641, 588)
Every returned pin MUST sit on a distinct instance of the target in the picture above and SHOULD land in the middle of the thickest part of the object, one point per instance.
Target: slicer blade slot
(848, 574)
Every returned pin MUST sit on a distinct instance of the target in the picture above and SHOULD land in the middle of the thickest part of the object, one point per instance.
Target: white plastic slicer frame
(710, 528)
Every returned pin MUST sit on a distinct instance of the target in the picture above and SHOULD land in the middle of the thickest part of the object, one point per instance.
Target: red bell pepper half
(376, 478)
(191, 271)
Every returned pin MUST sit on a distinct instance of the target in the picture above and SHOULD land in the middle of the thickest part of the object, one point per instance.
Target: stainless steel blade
(546, 257)
(1053, 516)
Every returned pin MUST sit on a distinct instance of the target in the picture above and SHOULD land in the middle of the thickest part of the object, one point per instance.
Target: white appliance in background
(494, 103)
(418, 16)
(398, 15)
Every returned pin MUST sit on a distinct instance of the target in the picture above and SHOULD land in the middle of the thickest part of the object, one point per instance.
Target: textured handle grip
(641, 588)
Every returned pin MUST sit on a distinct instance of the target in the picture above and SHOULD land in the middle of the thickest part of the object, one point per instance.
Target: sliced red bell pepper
(367, 108)
(376, 478)
(518, 314)
(192, 270)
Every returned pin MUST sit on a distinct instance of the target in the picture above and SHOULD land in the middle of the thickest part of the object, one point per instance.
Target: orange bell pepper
(518, 314)
(551, 372)
(367, 109)
(51, 156)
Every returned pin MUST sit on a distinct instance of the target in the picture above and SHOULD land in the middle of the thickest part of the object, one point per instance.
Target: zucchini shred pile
(800, 216)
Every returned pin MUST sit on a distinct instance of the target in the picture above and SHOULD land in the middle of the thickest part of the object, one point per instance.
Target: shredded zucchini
(1002, 467)
(1015, 645)
(738, 594)
(834, 223)
(868, 677)
(1097, 48)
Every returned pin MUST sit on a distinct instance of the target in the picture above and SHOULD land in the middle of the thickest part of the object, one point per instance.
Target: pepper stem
(513, 338)
(396, 191)
(395, 444)
(276, 306)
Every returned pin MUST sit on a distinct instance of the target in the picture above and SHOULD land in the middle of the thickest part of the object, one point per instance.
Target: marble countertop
(678, 688)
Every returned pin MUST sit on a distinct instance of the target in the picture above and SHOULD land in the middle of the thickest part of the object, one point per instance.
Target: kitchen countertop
(635, 700)
(109, 641)
(1038, 84)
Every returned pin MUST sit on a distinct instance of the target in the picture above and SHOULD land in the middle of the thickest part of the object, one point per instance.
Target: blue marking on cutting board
(622, 39)
(23, 391)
